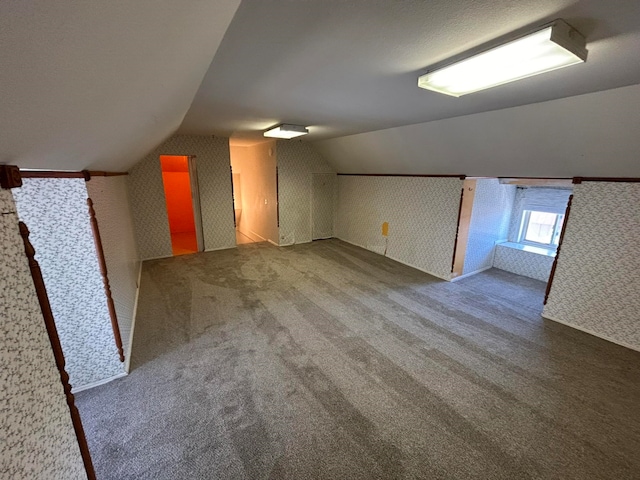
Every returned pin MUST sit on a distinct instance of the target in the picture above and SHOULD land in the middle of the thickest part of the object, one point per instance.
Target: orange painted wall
(177, 190)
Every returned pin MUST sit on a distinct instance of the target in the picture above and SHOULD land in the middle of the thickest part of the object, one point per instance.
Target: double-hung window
(540, 228)
(540, 211)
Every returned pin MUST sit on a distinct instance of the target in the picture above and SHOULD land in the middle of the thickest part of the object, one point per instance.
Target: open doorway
(180, 182)
(255, 192)
(513, 226)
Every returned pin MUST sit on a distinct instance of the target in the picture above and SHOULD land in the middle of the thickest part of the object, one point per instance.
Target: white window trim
(524, 221)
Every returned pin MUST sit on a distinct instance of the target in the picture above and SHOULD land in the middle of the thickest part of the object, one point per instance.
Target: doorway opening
(180, 182)
(255, 191)
(513, 226)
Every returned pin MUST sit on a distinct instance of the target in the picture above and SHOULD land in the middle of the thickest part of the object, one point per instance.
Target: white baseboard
(418, 268)
(98, 383)
(455, 279)
(219, 248)
(595, 334)
(255, 235)
(127, 360)
(395, 259)
(155, 258)
(273, 243)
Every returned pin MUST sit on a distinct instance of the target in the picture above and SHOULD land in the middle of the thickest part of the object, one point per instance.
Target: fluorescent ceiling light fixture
(286, 131)
(553, 46)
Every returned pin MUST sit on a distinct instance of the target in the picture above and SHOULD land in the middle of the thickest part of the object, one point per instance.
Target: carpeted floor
(325, 361)
(184, 243)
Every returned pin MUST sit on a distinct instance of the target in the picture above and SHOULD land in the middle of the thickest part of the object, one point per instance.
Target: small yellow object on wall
(385, 229)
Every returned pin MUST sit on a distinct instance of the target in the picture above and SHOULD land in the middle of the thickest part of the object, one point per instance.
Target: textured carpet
(325, 361)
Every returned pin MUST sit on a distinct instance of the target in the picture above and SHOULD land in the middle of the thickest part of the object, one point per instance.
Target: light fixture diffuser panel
(286, 131)
(555, 46)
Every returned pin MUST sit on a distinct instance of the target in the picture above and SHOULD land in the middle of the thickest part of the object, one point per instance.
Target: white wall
(148, 203)
(297, 161)
(422, 214)
(597, 280)
(38, 440)
(587, 135)
(256, 167)
(56, 212)
(111, 203)
(490, 215)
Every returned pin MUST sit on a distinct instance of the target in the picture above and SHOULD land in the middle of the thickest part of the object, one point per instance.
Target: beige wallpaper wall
(323, 204)
(56, 212)
(148, 203)
(38, 441)
(297, 161)
(111, 202)
(597, 281)
(255, 168)
(422, 215)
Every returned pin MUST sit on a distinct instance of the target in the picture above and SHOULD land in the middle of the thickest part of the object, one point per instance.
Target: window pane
(540, 228)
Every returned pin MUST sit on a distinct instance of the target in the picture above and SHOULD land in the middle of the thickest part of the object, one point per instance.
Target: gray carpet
(325, 361)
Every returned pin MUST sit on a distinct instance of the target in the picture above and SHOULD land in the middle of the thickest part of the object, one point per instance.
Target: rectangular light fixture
(550, 47)
(286, 131)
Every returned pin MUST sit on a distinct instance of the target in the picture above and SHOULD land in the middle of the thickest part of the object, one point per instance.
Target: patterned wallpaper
(422, 215)
(297, 160)
(597, 280)
(110, 201)
(38, 441)
(148, 207)
(527, 264)
(55, 210)
(323, 204)
(490, 215)
(214, 179)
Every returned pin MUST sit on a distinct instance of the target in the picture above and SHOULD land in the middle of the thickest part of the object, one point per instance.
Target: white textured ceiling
(97, 84)
(344, 67)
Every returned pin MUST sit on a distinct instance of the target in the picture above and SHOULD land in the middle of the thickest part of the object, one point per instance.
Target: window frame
(557, 228)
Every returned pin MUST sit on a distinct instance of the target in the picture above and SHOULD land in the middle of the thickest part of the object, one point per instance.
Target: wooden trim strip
(63, 174)
(461, 177)
(455, 241)
(45, 307)
(555, 260)
(277, 202)
(10, 177)
(105, 279)
(579, 180)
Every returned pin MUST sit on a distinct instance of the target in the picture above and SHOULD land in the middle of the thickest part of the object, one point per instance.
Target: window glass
(542, 227)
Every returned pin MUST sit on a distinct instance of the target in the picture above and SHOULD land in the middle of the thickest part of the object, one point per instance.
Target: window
(541, 228)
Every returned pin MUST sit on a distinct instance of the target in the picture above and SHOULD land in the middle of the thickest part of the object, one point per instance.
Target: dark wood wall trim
(579, 180)
(45, 307)
(457, 175)
(10, 177)
(105, 279)
(60, 174)
(277, 200)
(560, 240)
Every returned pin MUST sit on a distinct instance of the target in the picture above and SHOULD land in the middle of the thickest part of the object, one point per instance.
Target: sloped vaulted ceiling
(97, 84)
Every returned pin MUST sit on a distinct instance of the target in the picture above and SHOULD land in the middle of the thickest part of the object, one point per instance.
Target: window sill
(547, 252)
